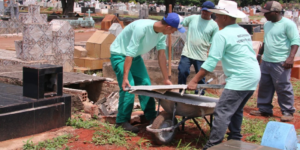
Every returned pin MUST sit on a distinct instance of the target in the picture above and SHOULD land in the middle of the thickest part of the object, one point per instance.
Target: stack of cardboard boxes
(96, 52)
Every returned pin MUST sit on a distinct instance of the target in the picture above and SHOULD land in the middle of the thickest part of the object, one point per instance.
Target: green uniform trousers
(137, 75)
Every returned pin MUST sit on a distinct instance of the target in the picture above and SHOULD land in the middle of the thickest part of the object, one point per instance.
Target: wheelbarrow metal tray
(188, 105)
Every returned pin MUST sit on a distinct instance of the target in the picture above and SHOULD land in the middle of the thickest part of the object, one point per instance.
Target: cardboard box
(79, 62)
(258, 36)
(98, 45)
(80, 51)
(94, 63)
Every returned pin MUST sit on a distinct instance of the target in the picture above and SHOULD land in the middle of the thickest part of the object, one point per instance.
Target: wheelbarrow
(189, 106)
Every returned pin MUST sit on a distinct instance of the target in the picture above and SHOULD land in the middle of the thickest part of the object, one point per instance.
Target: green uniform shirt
(233, 46)
(278, 39)
(138, 38)
(199, 37)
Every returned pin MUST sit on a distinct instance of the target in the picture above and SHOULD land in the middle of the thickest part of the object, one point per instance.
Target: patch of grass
(77, 122)
(252, 102)
(296, 87)
(185, 146)
(143, 141)
(156, 17)
(250, 17)
(97, 26)
(111, 135)
(49, 8)
(211, 95)
(56, 143)
(254, 128)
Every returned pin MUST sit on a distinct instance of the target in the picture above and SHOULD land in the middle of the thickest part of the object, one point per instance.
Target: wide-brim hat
(228, 8)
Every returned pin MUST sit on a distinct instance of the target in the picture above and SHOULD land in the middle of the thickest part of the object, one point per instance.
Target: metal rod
(199, 127)
(170, 47)
(158, 106)
(174, 111)
(183, 124)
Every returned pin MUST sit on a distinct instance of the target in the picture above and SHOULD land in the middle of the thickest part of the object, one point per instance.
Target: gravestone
(63, 44)
(85, 9)
(280, 135)
(144, 12)
(13, 9)
(115, 29)
(1, 7)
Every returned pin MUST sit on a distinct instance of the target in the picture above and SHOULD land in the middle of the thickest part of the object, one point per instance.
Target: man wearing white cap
(136, 39)
(281, 42)
(233, 46)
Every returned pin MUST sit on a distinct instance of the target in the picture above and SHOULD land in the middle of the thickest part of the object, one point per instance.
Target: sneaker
(128, 127)
(287, 117)
(259, 113)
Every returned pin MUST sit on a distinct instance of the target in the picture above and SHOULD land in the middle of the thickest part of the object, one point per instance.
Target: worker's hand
(288, 63)
(125, 84)
(167, 82)
(258, 59)
(192, 85)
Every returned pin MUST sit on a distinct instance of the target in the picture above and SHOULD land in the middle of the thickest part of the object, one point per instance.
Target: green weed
(111, 135)
(296, 87)
(53, 144)
(252, 102)
(142, 141)
(254, 128)
(77, 122)
(211, 95)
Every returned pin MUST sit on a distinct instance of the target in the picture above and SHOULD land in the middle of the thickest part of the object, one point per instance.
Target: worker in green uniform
(136, 39)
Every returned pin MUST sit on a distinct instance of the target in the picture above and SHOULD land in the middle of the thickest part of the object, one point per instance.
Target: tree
(67, 6)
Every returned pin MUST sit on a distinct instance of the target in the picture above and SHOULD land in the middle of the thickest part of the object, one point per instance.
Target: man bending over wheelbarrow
(233, 46)
(136, 39)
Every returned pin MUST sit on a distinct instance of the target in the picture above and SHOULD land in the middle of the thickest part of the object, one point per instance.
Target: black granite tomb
(44, 108)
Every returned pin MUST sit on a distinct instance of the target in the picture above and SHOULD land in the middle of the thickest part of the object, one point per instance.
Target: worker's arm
(260, 53)
(127, 65)
(290, 60)
(194, 82)
(187, 20)
(162, 61)
(216, 52)
(293, 36)
(131, 51)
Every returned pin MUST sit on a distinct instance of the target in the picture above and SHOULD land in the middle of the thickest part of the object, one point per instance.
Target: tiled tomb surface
(33, 16)
(53, 42)
(63, 37)
(37, 42)
(31, 109)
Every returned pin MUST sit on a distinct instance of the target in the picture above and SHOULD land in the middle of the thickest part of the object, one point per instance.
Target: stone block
(18, 47)
(104, 11)
(115, 29)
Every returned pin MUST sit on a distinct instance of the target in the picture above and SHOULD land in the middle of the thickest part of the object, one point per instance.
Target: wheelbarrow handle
(210, 86)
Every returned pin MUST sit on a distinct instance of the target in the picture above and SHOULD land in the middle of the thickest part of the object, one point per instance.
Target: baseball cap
(208, 5)
(176, 21)
(271, 6)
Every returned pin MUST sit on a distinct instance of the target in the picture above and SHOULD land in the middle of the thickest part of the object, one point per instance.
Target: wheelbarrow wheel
(163, 120)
